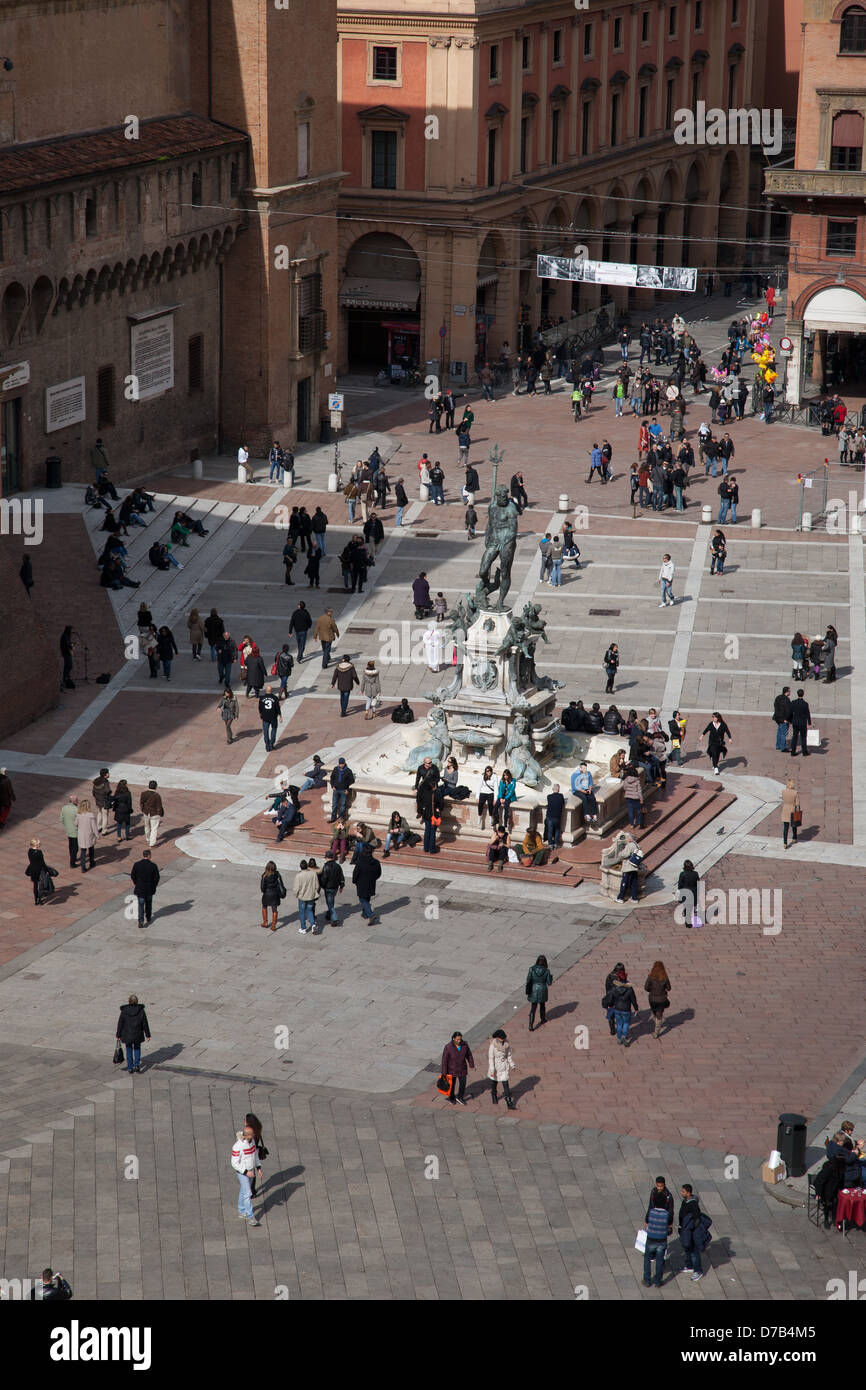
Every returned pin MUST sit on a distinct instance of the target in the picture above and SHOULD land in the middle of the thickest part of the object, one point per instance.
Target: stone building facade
(476, 135)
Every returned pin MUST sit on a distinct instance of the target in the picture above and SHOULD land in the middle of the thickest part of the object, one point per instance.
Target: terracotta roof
(71, 157)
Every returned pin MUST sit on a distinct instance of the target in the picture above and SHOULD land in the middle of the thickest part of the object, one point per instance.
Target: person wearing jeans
(658, 1224)
(666, 581)
(623, 1001)
(782, 717)
(582, 786)
(342, 778)
(245, 1161)
(132, 1030)
(331, 882)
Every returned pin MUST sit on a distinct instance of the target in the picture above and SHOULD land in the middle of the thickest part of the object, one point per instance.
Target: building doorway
(10, 449)
(304, 401)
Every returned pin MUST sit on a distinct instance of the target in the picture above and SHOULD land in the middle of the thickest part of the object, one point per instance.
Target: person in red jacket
(770, 296)
(456, 1060)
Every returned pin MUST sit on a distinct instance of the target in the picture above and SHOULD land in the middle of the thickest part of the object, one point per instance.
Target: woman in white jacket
(500, 1065)
(371, 689)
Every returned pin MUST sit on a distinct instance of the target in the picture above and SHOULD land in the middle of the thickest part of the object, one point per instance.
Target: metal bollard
(242, 474)
(563, 502)
(197, 468)
(806, 523)
(756, 518)
(706, 514)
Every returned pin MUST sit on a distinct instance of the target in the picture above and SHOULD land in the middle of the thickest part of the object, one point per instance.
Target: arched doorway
(380, 297)
(527, 240)
(732, 197)
(667, 249)
(488, 294)
(691, 198)
(834, 328)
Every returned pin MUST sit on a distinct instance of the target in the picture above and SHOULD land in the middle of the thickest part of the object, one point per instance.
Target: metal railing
(813, 495)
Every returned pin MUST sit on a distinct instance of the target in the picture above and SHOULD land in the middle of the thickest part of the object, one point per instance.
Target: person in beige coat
(196, 633)
(791, 811)
(326, 632)
(306, 889)
(500, 1064)
(371, 689)
(85, 823)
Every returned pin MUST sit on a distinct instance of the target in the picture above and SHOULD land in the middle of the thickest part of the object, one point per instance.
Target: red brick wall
(31, 684)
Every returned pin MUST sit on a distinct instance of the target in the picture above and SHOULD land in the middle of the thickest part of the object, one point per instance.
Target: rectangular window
(699, 15)
(524, 143)
(491, 158)
(617, 35)
(641, 112)
(555, 125)
(585, 126)
(841, 238)
(644, 27)
(384, 64)
(735, 11)
(104, 397)
(672, 22)
(732, 86)
(195, 364)
(669, 102)
(846, 157)
(696, 89)
(587, 40)
(311, 317)
(526, 54)
(195, 197)
(234, 179)
(384, 159)
(90, 217)
(557, 45)
(494, 62)
(303, 149)
(614, 118)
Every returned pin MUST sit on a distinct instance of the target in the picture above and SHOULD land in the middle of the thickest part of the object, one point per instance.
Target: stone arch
(41, 301)
(380, 292)
(14, 308)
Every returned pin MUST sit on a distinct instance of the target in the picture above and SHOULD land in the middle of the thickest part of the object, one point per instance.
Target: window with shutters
(841, 238)
(852, 36)
(195, 364)
(311, 316)
(846, 147)
(104, 397)
(383, 162)
(384, 63)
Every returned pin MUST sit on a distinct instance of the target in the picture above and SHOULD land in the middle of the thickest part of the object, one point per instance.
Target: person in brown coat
(344, 678)
(326, 632)
(657, 986)
(791, 811)
(151, 807)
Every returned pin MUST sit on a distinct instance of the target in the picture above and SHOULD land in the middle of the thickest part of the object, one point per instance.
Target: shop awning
(360, 293)
(837, 309)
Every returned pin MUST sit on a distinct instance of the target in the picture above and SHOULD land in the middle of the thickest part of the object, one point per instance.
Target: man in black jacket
(470, 483)
(227, 655)
(658, 1224)
(365, 876)
(801, 720)
(573, 718)
(518, 492)
(300, 624)
(428, 771)
(403, 714)
(271, 715)
(782, 718)
(402, 500)
(342, 778)
(145, 877)
(132, 1030)
(332, 881)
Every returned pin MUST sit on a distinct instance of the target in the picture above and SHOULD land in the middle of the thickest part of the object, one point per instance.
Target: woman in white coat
(85, 825)
(433, 647)
(500, 1065)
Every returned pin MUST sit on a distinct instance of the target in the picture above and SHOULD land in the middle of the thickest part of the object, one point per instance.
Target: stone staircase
(674, 816)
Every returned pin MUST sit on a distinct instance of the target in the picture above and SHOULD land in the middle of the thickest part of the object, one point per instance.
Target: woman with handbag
(538, 979)
(500, 1064)
(121, 805)
(229, 711)
(792, 811)
(273, 891)
(39, 873)
(254, 1123)
(657, 986)
(719, 735)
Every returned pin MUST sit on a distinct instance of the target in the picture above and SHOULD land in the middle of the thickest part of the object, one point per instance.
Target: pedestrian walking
(401, 499)
(694, 1230)
(273, 890)
(331, 881)
(151, 807)
(85, 831)
(229, 711)
(145, 878)
(254, 1123)
(68, 818)
(342, 778)
(166, 649)
(666, 581)
(326, 634)
(365, 876)
(792, 811)
(371, 689)
(456, 1061)
(300, 624)
(227, 655)
(306, 890)
(718, 552)
(801, 722)
(553, 817)
(729, 494)
(659, 1225)
(247, 1165)
(344, 678)
(500, 1064)
(271, 715)
(311, 569)
(284, 664)
(39, 873)
(717, 732)
(633, 792)
(623, 1002)
(657, 986)
(611, 666)
(782, 718)
(132, 1030)
(101, 796)
(618, 973)
(677, 731)
(538, 980)
(196, 633)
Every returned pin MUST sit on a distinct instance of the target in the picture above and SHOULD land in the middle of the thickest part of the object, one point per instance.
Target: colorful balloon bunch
(765, 361)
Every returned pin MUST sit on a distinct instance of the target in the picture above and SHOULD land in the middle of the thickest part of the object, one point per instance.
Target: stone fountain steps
(674, 816)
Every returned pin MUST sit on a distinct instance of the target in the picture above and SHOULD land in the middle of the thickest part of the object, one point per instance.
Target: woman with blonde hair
(792, 812)
(85, 829)
(196, 633)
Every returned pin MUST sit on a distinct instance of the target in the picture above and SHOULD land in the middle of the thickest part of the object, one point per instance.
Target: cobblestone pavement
(530, 1205)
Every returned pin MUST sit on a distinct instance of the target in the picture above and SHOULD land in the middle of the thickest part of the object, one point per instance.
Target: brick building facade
(475, 138)
(825, 192)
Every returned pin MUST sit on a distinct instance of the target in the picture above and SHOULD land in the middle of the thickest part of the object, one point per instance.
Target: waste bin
(52, 471)
(791, 1143)
(325, 431)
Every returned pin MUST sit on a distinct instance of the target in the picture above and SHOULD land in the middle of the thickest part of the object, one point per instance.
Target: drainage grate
(605, 612)
(426, 535)
(358, 631)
